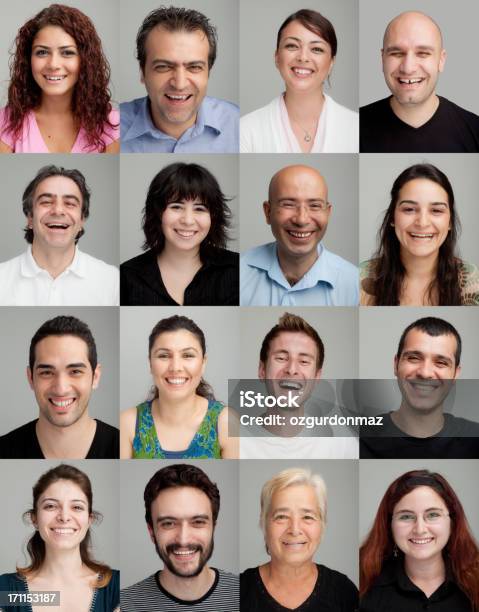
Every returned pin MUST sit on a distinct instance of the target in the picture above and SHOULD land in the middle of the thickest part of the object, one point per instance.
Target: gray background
(221, 330)
(138, 556)
(381, 327)
(101, 228)
(339, 544)
(337, 327)
(223, 14)
(105, 18)
(376, 476)
(377, 175)
(18, 325)
(458, 22)
(16, 484)
(341, 175)
(137, 172)
(260, 80)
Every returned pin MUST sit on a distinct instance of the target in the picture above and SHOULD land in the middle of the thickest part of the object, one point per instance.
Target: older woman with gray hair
(293, 519)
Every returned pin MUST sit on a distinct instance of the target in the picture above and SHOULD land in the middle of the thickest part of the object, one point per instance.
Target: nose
(422, 217)
(63, 515)
(408, 63)
(291, 368)
(183, 536)
(61, 385)
(187, 216)
(425, 369)
(53, 61)
(179, 79)
(57, 206)
(294, 525)
(301, 215)
(420, 525)
(175, 363)
(303, 53)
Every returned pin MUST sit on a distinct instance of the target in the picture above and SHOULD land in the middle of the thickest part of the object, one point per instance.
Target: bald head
(413, 22)
(293, 177)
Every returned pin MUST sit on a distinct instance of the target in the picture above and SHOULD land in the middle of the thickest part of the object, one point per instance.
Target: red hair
(462, 551)
(91, 97)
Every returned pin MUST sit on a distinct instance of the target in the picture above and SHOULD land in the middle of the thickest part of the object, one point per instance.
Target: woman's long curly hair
(91, 96)
(387, 273)
(36, 546)
(461, 553)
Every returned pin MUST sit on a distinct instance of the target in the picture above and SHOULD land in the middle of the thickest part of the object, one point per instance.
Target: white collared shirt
(87, 281)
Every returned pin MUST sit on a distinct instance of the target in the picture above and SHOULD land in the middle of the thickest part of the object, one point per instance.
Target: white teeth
(57, 225)
(64, 531)
(176, 381)
(55, 78)
(410, 81)
(422, 235)
(62, 403)
(184, 552)
(423, 541)
(173, 97)
(300, 234)
(185, 234)
(302, 71)
(289, 384)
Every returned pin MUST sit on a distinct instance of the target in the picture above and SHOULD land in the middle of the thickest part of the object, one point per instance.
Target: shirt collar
(393, 573)
(30, 269)
(143, 123)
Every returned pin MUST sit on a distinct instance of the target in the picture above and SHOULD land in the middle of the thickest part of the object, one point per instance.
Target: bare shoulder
(4, 148)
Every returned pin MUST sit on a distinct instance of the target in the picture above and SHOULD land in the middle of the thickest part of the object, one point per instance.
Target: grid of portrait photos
(238, 249)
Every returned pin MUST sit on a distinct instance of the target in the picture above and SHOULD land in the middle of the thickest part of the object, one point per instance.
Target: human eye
(433, 515)
(279, 518)
(290, 45)
(200, 522)
(175, 206)
(161, 67)
(406, 517)
(167, 524)
(317, 50)
(45, 373)
(69, 52)
(162, 355)
(41, 52)
(287, 204)
(424, 54)
(201, 208)
(196, 68)
(189, 355)
(309, 517)
(49, 506)
(438, 211)
(76, 372)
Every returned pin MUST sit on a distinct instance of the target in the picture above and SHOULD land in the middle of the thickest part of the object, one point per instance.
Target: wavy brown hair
(91, 104)
(461, 553)
(387, 273)
(36, 546)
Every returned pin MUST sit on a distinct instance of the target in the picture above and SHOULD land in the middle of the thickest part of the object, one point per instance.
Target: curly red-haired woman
(420, 553)
(58, 98)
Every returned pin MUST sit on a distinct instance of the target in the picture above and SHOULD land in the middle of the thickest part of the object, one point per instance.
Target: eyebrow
(311, 42)
(286, 509)
(47, 47)
(417, 48)
(188, 518)
(49, 366)
(70, 196)
(168, 63)
(278, 352)
(186, 348)
(57, 500)
(414, 512)
(289, 199)
(415, 202)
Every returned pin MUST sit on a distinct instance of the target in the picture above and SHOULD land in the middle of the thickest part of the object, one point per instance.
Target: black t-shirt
(215, 284)
(22, 443)
(450, 130)
(333, 592)
(394, 592)
(458, 439)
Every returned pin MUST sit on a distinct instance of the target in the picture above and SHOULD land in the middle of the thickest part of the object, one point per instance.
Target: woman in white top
(302, 119)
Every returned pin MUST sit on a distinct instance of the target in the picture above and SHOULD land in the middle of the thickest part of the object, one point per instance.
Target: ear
(329, 210)
(30, 377)
(442, 60)
(331, 65)
(317, 376)
(276, 58)
(261, 371)
(151, 534)
(29, 221)
(267, 212)
(205, 359)
(457, 373)
(396, 361)
(142, 76)
(96, 377)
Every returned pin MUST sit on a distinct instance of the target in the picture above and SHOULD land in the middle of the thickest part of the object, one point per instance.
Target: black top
(394, 592)
(333, 592)
(22, 443)
(458, 439)
(450, 130)
(215, 284)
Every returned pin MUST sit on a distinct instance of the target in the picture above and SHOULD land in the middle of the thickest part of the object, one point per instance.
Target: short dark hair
(176, 476)
(175, 19)
(292, 323)
(433, 326)
(314, 22)
(64, 326)
(46, 172)
(181, 181)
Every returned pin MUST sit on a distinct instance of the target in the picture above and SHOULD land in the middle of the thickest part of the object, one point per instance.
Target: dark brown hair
(314, 22)
(433, 326)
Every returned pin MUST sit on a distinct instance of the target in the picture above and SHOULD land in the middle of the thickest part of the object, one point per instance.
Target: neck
(179, 258)
(180, 412)
(56, 105)
(54, 261)
(424, 570)
(295, 269)
(415, 115)
(417, 424)
(281, 572)
(61, 565)
(420, 267)
(303, 106)
(63, 442)
(175, 130)
(189, 589)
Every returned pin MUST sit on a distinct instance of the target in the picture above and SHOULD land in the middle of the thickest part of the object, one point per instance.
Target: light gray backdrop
(381, 327)
(376, 476)
(458, 22)
(377, 175)
(220, 326)
(138, 556)
(223, 14)
(18, 325)
(105, 17)
(341, 175)
(16, 483)
(337, 327)
(260, 81)
(339, 545)
(137, 172)
(101, 174)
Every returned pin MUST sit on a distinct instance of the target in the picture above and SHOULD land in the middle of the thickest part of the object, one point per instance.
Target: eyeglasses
(430, 517)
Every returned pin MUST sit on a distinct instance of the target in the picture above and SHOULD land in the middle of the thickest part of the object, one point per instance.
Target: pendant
(307, 137)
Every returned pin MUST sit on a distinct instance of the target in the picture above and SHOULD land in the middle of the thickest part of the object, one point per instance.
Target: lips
(422, 236)
(293, 385)
(300, 236)
(63, 530)
(176, 381)
(421, 541)
(413, 81)
(302, 72)
(55, 79)
(178, 99)
(57, 226)
(186, 234)
(61, 405)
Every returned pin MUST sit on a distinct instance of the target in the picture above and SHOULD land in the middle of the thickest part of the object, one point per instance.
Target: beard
(204, 557)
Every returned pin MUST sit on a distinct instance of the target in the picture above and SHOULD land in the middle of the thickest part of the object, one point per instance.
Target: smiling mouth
(294, 545)
(414, 81)
(176, 381)
(300, 235)
(178, 98)
(302, 72)
(62, 404)
(63, 530)
(418, 236)
(57, 226)
(421, 541)
(186, 233)
(55, 79)
(292, 385)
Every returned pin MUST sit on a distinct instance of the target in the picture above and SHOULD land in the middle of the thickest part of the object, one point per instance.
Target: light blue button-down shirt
(331, 281)
(216, 129)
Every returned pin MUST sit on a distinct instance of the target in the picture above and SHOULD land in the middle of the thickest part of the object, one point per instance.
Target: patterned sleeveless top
(204, 445)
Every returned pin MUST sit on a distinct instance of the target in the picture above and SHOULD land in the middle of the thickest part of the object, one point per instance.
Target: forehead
(176, 340)
(421, 498)
(417, 340)
(295, 496)
(293, 342)
(181, 502)
(299, 182)
(63, 489)
(57, 185)
(61, 350)
(297, 30)
(412, 30)
(180, 46)
(423, 189)
(53, 36)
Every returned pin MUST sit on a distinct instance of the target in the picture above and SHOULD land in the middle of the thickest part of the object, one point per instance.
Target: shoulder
(466, 115)
(345, 266)
(99, 267)
(5, 135)
(342, 113)
(22, 433)
(259, 254)
(459, 427)
(129, 110)
(105, 428)
(228, 578)
(369, 110)
(128, 416)
(138, 263)
(11, 582)
(337, 582)
(249, 575)
(11, 265)
(222, 105)
(223, 257)
(468, 282)
(114, 116)
(225, 113)
(139, 588)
